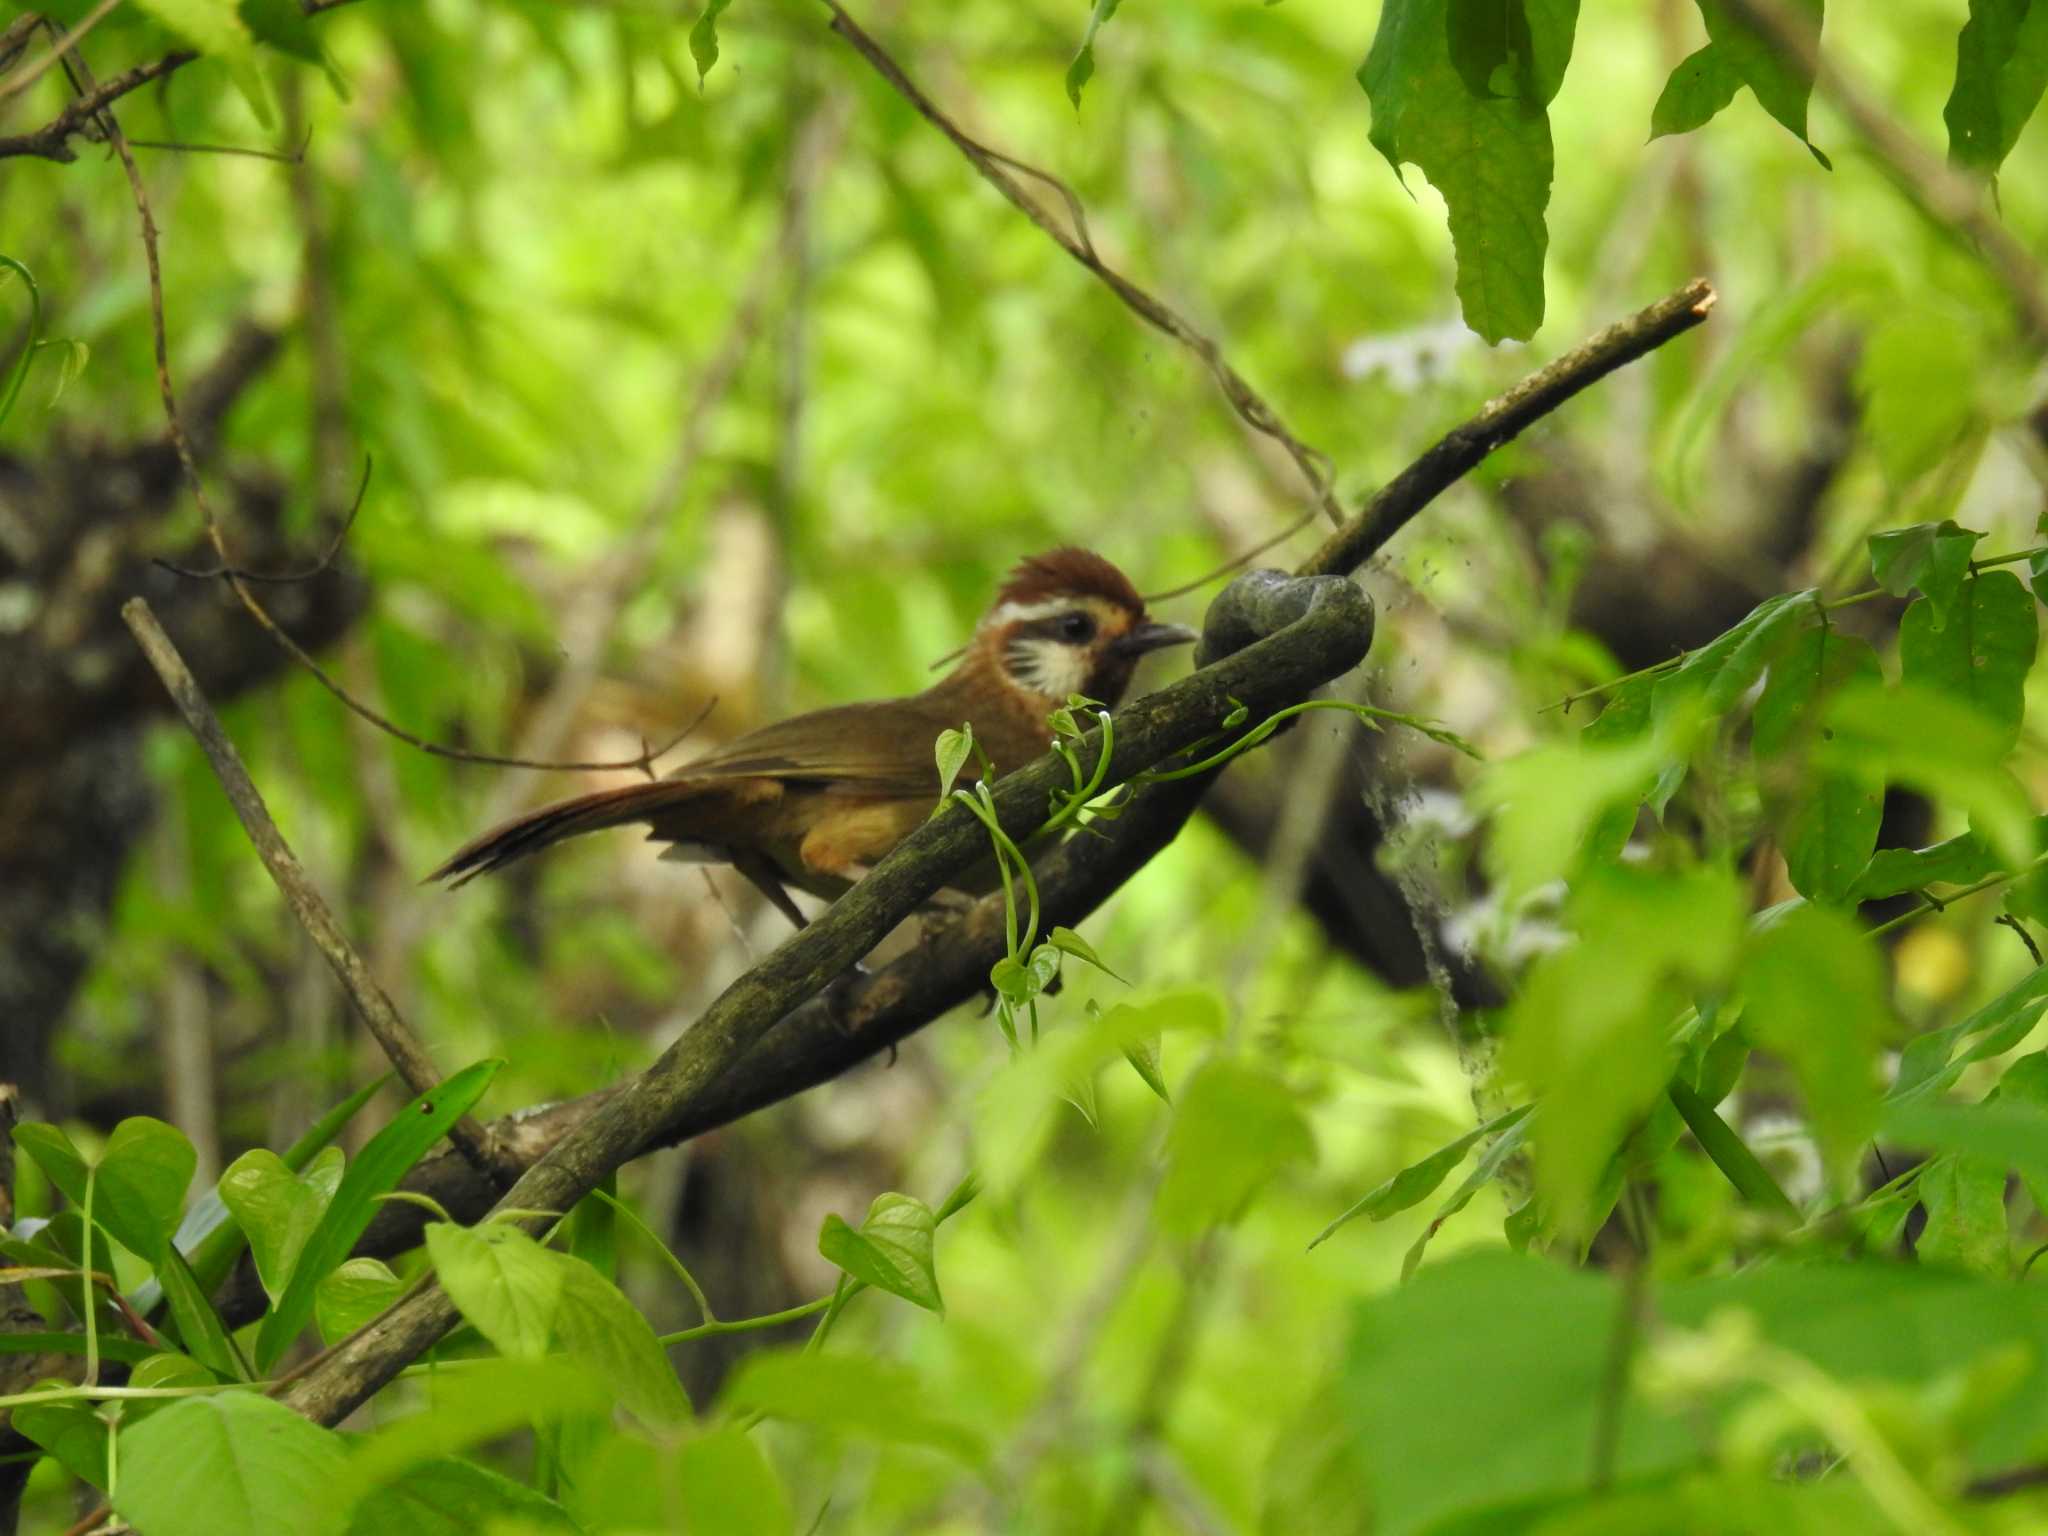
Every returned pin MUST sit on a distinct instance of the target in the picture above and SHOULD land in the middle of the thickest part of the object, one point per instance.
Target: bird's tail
(550, 824)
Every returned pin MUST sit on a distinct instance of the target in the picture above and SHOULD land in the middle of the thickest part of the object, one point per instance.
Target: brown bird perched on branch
(814, 801)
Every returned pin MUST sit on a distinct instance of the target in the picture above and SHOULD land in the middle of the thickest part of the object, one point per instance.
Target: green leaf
(1070, 942)
(1960, 860)
(1819, 996)
(1925, 1066)
(952, 750)
(139, 1180)
(208, 26)
(506, 1284)
(352, 1295)
(1414, 1184)
(1699, 88)
(1777, 79)
(729, 1489)
(594, 1322)
(277, 1209)
(1940, 746)
(386, 1159)
(211, 1237)
(1483, 1173)
(1918, 379)
(1235, 1127)
(1014, 1115)
(892, 1251)
(200, 1328)
(1461, 90)
(2006, 1133)
(1548, 804)
(1143, 1055)
(2001, 67)
(860, 1396)
(1479, 1382)
(74, 1432)
(704, 38)
(1878, 1323)
(453, 1497)
(1082, 70)
(1966, 1224)
(1730, 1153)
(1591, 1033)
(231, 1464)
(1982, 654)
(284, 26)
(1827, 819)
(486, 1399)
(1933, 557)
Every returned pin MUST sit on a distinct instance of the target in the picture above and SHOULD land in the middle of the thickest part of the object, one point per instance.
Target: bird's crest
(1069, 571)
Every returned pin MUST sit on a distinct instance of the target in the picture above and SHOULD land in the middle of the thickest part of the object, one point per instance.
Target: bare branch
(400, 1044)
(1505, 417)
(81, 117)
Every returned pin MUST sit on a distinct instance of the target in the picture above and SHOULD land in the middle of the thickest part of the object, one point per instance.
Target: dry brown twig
(81, 117)
(996, 167)
(400, 1044)
(29, 74)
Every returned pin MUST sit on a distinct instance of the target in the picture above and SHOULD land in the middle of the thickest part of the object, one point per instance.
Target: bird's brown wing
(883, 749)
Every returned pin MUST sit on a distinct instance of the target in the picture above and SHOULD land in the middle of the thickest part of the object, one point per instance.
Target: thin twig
(1236, 563)
(284, 578)
(29, 74)
(996, 168)
(230, 572)
(1951, 201)
(400, 1044)
(1504, 417)
(52, 141)
(180, 146)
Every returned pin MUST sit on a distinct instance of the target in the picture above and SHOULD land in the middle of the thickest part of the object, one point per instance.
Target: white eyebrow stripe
(1016, 613)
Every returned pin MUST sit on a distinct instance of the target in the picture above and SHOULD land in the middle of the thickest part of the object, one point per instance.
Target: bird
(814, 801)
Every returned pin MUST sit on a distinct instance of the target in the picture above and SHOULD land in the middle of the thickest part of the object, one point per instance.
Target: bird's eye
(1077, 627)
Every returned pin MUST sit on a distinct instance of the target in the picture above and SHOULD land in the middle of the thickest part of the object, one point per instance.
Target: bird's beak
(1150, 635)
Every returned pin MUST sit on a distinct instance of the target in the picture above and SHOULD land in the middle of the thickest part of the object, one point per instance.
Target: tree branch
(822, 1038)
(400, 1044)
(80, 117)
(1505, 417)
(1306, 632)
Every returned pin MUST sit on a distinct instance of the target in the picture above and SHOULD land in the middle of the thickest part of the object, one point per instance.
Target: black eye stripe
(1074, 627)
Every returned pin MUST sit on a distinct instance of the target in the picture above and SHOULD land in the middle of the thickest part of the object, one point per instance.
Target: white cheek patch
(1048, 667)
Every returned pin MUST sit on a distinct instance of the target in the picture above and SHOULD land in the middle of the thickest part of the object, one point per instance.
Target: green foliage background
(537, 223)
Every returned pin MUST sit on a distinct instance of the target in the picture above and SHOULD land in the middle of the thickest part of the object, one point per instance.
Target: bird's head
(1068, 622)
